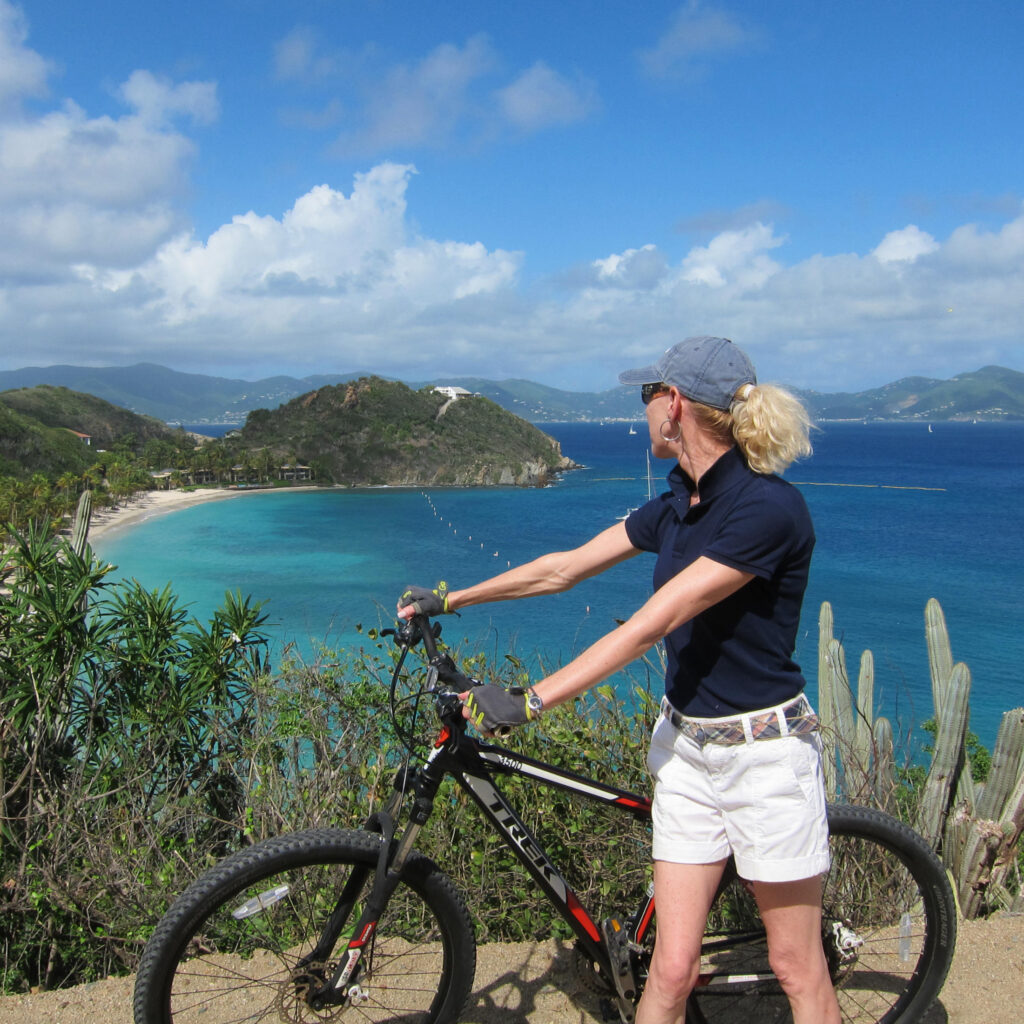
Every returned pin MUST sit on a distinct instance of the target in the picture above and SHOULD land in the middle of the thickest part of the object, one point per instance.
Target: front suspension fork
(388, 874)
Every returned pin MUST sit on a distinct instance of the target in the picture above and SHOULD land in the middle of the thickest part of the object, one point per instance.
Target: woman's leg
(683, 893)
(791, 912)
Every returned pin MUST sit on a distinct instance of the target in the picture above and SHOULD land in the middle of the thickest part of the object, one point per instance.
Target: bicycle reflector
(260, 903)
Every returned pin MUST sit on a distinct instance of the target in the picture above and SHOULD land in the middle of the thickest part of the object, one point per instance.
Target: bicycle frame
(474, 765)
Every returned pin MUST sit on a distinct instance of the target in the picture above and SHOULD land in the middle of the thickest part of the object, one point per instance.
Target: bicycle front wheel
(888, 928)
(238, 944)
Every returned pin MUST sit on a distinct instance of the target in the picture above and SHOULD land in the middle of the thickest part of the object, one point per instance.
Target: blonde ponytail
(771, 427)
(767, 423)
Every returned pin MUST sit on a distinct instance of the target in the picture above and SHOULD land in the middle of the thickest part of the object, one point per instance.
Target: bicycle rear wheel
(236, 944)
(889, 928)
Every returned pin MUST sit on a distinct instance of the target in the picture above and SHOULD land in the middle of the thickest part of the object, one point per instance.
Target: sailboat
(632, 429)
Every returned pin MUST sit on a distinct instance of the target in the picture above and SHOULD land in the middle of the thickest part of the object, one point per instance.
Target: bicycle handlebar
(442, 669)
(444, 680)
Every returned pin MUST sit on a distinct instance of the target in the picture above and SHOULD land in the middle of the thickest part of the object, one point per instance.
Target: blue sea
(903, 512)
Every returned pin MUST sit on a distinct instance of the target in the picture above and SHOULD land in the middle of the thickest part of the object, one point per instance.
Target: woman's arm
(696, 588)
(549, 574)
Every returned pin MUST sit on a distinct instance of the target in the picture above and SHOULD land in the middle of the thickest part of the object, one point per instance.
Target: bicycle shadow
(540, 981)
(936, 1015)
(522, 981)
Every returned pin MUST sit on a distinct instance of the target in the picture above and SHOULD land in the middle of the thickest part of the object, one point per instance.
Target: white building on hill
(453, 392)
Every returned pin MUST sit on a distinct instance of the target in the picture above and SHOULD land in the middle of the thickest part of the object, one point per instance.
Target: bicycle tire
(889, 927)
(205, 963)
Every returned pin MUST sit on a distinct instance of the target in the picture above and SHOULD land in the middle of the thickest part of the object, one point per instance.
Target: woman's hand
(492, 708)
(421, 601)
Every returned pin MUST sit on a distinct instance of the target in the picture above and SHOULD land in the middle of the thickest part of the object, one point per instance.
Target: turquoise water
(902, 514)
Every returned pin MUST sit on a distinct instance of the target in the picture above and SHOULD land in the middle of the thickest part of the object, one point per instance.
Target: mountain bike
(356, 925)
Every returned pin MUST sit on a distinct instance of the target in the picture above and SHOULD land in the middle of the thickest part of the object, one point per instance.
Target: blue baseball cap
(704, 369)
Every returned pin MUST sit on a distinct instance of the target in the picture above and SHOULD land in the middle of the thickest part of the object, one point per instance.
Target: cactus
(80, 528)
(864, 713)
(825, 623)
(940, 654)
(948, 761)
(836, 715)
(1012, 823)
(854, 763)
(1007, 763)
(990, 848)
(842, 695)
(941, 667)
(975, 829)
(974, 877)
(884, 776)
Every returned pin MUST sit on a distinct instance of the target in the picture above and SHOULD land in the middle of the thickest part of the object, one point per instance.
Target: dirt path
(537, 983)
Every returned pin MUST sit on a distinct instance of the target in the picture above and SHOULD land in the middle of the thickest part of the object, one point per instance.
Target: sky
(552, 190)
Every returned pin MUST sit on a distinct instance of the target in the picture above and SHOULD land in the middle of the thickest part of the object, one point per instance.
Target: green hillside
(103, 421)
(373, 431)
(28, 446)
(168, 394)
(37, 424)
(991, 393)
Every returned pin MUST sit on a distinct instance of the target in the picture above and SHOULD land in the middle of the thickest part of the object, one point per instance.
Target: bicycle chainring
(589, 975)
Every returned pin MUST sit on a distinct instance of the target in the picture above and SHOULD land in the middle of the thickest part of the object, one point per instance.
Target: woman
(735, 756)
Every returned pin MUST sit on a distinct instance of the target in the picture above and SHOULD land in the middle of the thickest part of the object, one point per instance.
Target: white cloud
(739, 217)
(541, 96)
(827, 321)
(344, 281)
(424, 103)
(737, 256)
(452, 95)
(333, 266)
(635, 268)
(905, 246)
(75, 188)
(295, 56)
(159, 100)
(23, 72)
(697, 32)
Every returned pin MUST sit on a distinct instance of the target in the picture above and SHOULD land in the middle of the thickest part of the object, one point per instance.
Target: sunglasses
(648, 391)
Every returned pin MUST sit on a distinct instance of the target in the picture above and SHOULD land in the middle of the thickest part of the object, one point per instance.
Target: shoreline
(153, 504)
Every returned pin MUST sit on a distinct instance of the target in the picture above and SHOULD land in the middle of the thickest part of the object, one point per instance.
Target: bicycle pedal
(617, 943)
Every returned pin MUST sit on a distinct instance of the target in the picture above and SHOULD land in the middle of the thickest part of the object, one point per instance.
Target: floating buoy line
(883, 487)
(448, 524)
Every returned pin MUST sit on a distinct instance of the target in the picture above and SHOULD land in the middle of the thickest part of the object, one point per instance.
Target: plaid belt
(794, 717)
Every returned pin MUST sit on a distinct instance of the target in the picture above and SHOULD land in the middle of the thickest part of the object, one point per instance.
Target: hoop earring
(661, 430)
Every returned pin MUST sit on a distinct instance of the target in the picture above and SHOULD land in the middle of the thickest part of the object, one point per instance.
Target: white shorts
(761, 801)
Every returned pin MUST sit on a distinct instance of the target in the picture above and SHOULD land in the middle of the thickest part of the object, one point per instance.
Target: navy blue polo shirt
(738, 655)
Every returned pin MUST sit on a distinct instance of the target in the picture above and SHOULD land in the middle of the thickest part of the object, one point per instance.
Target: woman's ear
(676, 400)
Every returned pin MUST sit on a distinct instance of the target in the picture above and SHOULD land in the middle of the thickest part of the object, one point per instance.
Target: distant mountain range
(991, 393)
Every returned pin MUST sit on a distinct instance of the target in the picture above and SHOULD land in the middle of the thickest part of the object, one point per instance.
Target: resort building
(452, 393)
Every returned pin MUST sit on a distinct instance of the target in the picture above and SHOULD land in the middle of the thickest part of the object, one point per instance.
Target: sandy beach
(150, 504)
